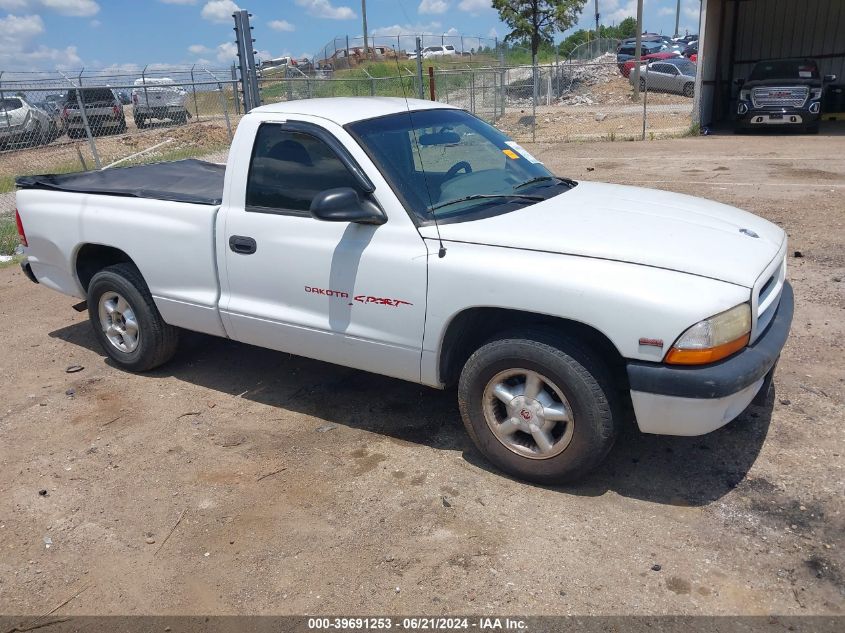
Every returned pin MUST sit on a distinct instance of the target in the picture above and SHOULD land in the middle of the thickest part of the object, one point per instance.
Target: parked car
(626, 52)
(670, 75)
(103, 110)
(690, 49)
(159, 98)
(124, 97)
(22, 122)
(781, 93)
(554, 305)
(629, 65)
(435, 51)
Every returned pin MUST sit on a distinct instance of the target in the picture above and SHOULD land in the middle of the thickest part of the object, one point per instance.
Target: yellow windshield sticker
(510, 153)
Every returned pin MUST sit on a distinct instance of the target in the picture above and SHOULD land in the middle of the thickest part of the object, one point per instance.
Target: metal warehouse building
(735, 34)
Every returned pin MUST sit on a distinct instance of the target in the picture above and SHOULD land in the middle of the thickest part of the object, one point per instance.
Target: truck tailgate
(191, 180)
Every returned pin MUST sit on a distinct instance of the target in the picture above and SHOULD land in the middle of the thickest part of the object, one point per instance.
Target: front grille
(768, 298)
(790, 96)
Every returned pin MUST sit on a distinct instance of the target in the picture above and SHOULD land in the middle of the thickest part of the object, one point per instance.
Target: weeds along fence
(50, 124)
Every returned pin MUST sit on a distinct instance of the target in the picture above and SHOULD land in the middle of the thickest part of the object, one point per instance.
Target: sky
(128, 34)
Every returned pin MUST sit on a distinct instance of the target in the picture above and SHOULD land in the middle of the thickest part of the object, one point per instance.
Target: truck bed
(194, 181)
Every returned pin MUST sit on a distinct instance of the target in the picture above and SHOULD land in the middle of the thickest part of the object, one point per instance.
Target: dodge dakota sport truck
(413, 240)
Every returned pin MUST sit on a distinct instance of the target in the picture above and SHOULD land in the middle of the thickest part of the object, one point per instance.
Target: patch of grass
(8, 235)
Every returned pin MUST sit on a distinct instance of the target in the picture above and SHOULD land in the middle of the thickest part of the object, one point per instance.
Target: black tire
(642, 84)
(157, 341)
(689, 89)
(581, 376)
(121, 128)
(181, 119)
(74, 133)
(812, 129)
(140, 122)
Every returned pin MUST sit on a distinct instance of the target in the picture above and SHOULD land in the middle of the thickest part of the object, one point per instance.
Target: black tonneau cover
(189, 180)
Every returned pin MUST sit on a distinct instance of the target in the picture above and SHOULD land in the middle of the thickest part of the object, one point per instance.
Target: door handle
(242, 245)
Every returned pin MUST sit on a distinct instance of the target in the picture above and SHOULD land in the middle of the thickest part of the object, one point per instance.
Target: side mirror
(344, 205)
(739, 81)
(829, 78)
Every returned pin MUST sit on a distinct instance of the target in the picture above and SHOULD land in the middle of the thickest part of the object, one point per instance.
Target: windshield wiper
(483, 196)
(564, 181)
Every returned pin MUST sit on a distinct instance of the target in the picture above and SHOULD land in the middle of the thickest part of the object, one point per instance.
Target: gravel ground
(238, 480)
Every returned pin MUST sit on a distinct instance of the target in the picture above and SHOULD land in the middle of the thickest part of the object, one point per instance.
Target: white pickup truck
(411, 239)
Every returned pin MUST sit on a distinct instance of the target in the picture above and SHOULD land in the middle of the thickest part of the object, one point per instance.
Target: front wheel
(689, 89)
(126, 321)
(538, 406)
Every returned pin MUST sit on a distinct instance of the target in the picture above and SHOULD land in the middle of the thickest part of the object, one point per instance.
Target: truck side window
(288, 169)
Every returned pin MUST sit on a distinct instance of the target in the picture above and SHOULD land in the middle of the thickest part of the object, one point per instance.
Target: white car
(22, 122)
(158, 98)
(435, 51)
(434, 249)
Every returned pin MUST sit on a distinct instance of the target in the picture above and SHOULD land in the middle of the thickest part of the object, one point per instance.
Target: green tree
(537, 20)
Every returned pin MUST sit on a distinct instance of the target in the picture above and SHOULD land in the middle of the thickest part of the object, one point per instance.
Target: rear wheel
(140, 122)
(689, 89)
(539, 406)
(126, 321)
(642, 84)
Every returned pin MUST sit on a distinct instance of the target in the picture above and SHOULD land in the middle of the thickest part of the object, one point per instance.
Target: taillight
(135, 99)
(21, 233)
(64, 113)
(116, 111)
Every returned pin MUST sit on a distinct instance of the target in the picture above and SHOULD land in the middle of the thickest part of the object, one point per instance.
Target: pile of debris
(600, 70)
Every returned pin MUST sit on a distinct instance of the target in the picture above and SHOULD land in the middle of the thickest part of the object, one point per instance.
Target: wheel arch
(472, 327)
(92, 258)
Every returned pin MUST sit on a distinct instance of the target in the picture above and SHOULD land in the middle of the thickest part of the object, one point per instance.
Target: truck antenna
(441, 253)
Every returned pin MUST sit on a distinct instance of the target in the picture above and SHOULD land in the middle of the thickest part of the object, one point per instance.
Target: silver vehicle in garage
(668, 75)
(22, 122)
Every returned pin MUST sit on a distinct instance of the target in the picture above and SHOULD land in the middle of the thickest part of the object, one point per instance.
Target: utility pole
(364, 18)
(598, 15)
(677, 18)
(638, 50)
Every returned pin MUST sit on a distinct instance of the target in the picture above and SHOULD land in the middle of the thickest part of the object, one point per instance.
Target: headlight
(745, 95)
(713, 339)
(815, 93)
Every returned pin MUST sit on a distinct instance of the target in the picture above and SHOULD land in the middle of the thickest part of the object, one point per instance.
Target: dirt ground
(237, 480)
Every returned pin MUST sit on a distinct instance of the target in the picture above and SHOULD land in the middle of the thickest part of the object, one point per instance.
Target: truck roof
(343, 110)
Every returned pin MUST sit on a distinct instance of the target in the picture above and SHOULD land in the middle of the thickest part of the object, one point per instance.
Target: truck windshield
(448, 164)
(785, 69)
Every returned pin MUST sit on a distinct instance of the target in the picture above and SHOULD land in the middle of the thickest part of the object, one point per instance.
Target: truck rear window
(91, 95)
(7, 105)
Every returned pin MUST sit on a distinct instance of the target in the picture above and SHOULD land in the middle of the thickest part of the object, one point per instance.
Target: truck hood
(779, 83)
(631, 224)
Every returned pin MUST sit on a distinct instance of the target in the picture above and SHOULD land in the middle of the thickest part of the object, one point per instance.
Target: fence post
(194, 89)
(2, 98)
(432, 95)
(236, 99)
(81, 104)
(421, 91)
(645, 101)
(472, 92)
(144, 79)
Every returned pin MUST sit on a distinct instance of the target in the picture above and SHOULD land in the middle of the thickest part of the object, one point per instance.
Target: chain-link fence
(597, 99)
(58, 124)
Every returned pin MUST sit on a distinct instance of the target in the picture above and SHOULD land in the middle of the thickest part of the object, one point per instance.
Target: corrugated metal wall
(768, 29)
(765, 29)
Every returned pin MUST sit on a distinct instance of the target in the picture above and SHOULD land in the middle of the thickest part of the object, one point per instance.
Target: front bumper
(675, 400)
(756, 118)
